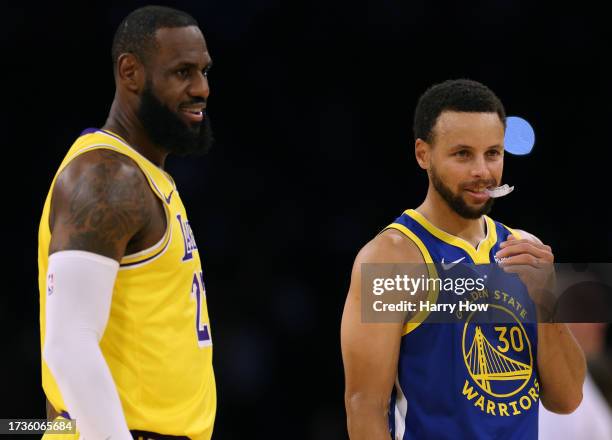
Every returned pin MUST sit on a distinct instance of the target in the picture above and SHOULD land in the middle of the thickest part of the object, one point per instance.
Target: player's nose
(199, 87)
(480, 168)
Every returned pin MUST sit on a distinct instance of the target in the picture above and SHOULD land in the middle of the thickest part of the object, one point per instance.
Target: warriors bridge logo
(499, 362)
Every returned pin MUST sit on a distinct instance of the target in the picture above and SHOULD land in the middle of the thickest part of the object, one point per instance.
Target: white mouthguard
(500, 191)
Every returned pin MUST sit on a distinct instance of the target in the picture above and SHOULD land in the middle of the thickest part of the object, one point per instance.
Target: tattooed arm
(100, 201)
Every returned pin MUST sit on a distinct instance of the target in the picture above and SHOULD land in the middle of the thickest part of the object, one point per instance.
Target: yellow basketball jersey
(158, 340)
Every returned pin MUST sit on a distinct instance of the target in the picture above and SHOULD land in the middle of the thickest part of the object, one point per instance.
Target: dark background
(312, 105)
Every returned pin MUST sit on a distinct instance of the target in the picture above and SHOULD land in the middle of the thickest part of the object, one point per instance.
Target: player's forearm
(87, 386)
(79, 292)
(367, 419)
(561, 367)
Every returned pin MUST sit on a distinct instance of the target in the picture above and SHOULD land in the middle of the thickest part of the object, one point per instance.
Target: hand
(524, 251)
(533, 263)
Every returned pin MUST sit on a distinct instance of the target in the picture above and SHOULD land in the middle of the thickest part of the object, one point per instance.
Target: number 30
(516, 339)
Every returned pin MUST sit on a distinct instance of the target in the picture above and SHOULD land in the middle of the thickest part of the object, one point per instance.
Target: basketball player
(125, 333)
(412, 381)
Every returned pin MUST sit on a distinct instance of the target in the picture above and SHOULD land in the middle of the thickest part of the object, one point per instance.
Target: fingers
(513, 248)
(513, 241)
(521, 260)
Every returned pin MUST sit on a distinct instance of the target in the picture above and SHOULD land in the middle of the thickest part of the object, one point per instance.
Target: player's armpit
(99, 202)
(370, 351)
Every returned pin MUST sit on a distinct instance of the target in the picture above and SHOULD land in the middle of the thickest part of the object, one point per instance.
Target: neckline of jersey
(479, 254)
(124, 142)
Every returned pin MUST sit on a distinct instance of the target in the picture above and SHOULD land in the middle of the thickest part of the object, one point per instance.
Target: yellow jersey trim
(513, 232)
(107, 131)
(115, 136)
(479, 255)
(432, 295)
(147, 255)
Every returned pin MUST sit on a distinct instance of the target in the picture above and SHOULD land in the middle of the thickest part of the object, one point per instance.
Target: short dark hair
(460, 95)
(136, 33)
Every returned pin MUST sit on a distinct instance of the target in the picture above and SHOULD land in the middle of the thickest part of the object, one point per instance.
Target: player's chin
(474, 209)
(193, 128)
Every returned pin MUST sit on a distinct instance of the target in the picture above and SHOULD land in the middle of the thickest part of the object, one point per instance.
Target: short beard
(167, 130)
(456, 202)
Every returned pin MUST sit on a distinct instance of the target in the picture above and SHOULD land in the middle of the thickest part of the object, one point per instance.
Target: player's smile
(477, 192)
(193, 113)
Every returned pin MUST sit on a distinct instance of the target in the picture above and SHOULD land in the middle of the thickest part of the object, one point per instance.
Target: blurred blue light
(520, 136)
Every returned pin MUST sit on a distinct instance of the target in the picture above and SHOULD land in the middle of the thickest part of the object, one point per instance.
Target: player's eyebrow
(461, 146)
(191, 65)
(469, 147)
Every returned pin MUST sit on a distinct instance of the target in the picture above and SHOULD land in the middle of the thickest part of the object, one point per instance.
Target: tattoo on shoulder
(106, 205)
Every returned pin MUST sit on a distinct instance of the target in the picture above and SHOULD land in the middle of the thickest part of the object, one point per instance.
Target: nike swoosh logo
(169, 197)
(448, 266)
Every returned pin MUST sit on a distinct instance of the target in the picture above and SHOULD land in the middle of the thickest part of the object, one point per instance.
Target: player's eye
(493, 153)
(461, 153)
(182, 73)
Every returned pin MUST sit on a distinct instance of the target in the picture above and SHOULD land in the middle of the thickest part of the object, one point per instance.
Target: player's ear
(422, 152)
(130, 72)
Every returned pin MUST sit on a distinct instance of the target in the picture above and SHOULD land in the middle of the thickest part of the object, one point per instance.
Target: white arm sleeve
(79, 292)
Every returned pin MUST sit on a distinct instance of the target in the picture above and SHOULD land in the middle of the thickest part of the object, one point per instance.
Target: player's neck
(128, 127)
(435, 209)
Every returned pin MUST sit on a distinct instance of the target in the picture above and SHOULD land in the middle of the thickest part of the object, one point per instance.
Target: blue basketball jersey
(466, 379)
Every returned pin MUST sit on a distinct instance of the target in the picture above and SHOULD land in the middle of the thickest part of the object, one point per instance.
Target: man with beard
(125, 334)
(417, 379)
